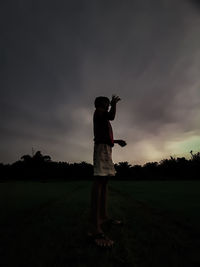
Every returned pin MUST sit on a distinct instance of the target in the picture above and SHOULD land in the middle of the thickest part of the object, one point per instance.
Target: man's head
(102, 102)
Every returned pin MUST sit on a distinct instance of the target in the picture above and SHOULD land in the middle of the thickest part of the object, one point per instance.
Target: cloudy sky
(57, 56)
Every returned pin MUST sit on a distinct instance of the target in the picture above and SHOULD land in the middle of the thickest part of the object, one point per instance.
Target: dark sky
(57, 56)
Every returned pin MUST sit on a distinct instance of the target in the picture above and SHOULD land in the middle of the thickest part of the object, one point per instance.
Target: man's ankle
(104, 219)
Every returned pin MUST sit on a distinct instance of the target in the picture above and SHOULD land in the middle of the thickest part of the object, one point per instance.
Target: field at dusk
(90, 90)
(45, 224)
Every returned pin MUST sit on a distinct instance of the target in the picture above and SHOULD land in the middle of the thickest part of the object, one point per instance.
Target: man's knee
(101, 179)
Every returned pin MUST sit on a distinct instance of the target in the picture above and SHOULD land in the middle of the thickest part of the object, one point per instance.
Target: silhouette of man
(103, 167)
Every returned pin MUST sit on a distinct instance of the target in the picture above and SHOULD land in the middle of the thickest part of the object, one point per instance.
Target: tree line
(41, 167)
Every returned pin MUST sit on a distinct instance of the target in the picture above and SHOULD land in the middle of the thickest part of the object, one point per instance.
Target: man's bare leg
(95, 206)
(103, 211)
(104, 197)
(95, 212)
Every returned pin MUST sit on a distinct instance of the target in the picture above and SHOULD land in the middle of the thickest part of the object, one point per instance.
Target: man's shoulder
(100, 114)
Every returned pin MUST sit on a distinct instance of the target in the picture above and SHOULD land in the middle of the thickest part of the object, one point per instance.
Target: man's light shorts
(102, 160)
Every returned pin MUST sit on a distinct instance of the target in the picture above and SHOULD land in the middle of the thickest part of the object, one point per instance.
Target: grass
(180, 197)
(45, 224)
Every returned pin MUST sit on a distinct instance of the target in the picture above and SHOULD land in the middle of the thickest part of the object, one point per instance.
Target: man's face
(106, 105)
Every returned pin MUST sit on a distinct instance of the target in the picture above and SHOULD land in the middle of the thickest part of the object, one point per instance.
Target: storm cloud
(57, 56)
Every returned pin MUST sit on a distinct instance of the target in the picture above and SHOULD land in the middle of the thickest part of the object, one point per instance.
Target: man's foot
(101, 240)
(112, 221)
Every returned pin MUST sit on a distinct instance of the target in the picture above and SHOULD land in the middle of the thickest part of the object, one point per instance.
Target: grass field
(45, 224)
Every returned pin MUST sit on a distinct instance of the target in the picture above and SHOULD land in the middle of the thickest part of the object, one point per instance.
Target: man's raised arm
(112, 112)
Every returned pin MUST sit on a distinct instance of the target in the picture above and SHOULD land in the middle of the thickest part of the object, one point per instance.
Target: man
(103, 166)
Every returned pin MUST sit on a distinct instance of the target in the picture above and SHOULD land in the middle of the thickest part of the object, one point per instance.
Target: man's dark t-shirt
(103, 133)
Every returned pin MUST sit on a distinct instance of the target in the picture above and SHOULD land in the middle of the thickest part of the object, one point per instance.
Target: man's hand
(115, 99)
(120, 142)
